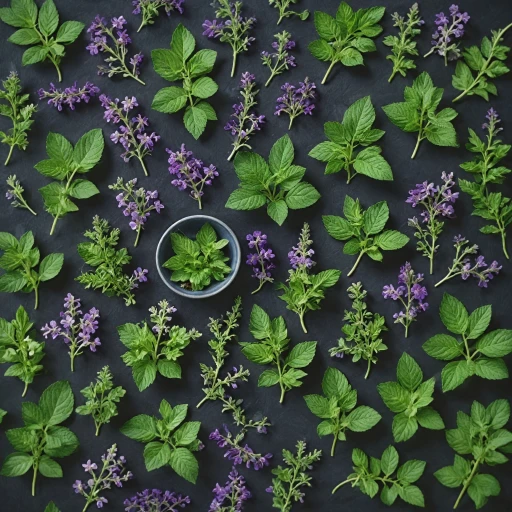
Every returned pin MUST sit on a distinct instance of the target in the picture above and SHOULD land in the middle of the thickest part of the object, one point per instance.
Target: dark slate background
(291, 421)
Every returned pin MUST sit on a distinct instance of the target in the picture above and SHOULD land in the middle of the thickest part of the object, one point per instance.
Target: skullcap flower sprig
(131, 133)
(137, 203)
(112, 39)
(463, 267)
(449, 29)
(436, 201)
(76, 328)
(112, 471)
(283, 5)
(232, 495)
(70, 96)
(296, 101)
(261, 260)
(150, 9)
(229, 26)
(244, 121)
(280, 59)
(410, 293)
(190, 173)
(155, 500)
(15, 194)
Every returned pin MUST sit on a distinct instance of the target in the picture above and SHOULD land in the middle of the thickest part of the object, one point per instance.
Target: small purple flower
(410, 293)
(261, 259)
(190, 173)
(150, 9)
(296, 101)
(113, 41)
(70, 96)
(230, 27)
(300, 255)
(280, 60)
(449, 28)
(155, 500)
(76, 328)
(232, 495)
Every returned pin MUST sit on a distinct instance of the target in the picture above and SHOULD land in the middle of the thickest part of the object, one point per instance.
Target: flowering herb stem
(15, 194)
(296, 101)
(150, 9)
(280, 60)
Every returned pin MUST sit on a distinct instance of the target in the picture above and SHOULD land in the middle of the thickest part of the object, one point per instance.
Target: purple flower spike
(137, 203)
(280, 59)
(261, 259)
(76, 328)
(449, 28)
(462, 266)
(410, 293)
(70, 96)
(436, 201)
(232, 495)
(155, 500)
(149, 9)
(244, 121)
(296, 101)
(190, 173)
(112, 472)
(112, 40)
(131, 133)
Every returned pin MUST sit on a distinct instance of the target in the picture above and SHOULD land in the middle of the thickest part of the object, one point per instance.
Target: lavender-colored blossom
(112, 471)
(131, 132)
(190, 173)
(493, 119)
(244, 122)
(76, 328)
(15, 194)
(231, 496)
(449, 29)
(462, 266)
(137, 203)
(70, 96)
(155, 500)
(113, 40)
(436, 201)
(237, 453)
(296, 101)
(230, 27)
(280, 59)
(410, 293)
(261, 259)
(150, 9)
(300, 255)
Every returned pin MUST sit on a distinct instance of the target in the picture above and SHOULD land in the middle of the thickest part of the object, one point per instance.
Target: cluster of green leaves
(362, 330)
(404, 44)
(19, 348)
(42, 439)
(482, 436)
(369, 472)
(101, 253)
(478, 65)
(344, 138)
(40, 29)
(16, 109)
(304, 291)
(474, 352)
(269, 349)
(63, 164)
(346, 37)
(486, 169)
(337, 408)
(102, 399)
(283, 7)
(278, 184)
(198, 262)
(169, 440)
(418, 114)
(363, 231)
(151, 352)
(410, 398)
(19, 260)
(178, 63)
(291, 479)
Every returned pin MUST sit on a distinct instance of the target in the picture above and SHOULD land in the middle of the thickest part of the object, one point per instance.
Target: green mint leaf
(69, 31)
(403, 427)
(140, 428)
(88, 150)
(195, 121)
(202, 62)
(454, 374)
(185, 464)
(430, 418)
(389, 460)
(453, 314)
(51, 507)
(496, 343)
(169, 100)
(16, 464)
(268, 378)
(56, 403)
(443, 347)
(50, 266)
(50, 468)
(370, 163)
(204, 87)
(278, 211)
(187, 433)
(48, 18)
(144, 374)
(408, 372)
(301, 196)
(362, 418)
(375, 218)
(319, 406)
(24, 36)
(301, 355)
(156, 455)
(391, 240)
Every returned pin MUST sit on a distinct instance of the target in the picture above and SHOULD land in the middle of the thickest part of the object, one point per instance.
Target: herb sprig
(15, 194)
(363, 231)
(337, 408)
(355, 131)
(283, 7)
(181, 63)
(63, 165)
(269, 349)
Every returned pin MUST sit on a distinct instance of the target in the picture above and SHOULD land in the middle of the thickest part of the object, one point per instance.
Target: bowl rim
(203, 294)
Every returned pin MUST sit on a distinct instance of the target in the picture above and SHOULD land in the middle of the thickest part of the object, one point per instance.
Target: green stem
(36, 300)
(98, 426)
(280, 19)
(302, 324)
(281, 398)
(25, 204)
(9, 156)
(291, 122)
(232, 154)
(25, 390)
(406, 329)
(55, 219)
(369, 368)
(269, 80)
(329, 69)
(57, 68)
(72, 358)
(466, 485)
(417, 145)
(353, 269)
(34, 477)
(143, 166)
(345, 482)
(333, 446)
(233, 66)
(446, 278)
(504, 243)
(139, 229)
(390, 79)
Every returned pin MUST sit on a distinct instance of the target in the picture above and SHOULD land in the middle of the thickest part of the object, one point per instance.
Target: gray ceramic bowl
(189, 226)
